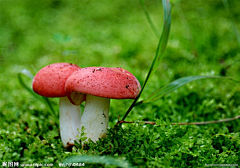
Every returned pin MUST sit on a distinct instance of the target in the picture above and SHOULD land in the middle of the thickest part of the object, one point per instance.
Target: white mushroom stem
(95, 117)
(69, 122)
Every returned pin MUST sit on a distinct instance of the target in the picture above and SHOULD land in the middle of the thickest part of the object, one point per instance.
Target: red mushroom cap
(115, 83)
(50, 80)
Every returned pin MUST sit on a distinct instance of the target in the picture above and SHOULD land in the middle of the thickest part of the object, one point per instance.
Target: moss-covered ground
(204, 40)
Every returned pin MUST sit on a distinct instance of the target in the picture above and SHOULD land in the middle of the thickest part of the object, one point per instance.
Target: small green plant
(157, 60)
(81, 138)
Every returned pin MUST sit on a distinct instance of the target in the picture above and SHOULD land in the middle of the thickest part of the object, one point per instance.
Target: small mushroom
(50, 82)
(100, 84)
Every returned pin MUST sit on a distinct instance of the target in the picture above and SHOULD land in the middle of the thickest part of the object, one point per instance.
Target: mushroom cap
(115, 83)
(50, 80)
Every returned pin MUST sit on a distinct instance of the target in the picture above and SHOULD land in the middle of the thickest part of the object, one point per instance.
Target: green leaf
(175, 85)
(45, 100)
(159, 52)
(162, 42)
(61, 38)
(94, 159)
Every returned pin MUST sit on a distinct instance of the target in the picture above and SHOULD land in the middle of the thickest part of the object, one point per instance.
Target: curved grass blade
(28, 74)
(45, 100)
(149, 19)
(226, 5)
(94, 159)
(163, 40)
(175, 85)
(160, 50)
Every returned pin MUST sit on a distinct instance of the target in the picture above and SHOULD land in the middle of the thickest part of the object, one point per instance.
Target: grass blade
(28, 74)
(162, 42)
(160, 50)
(45, 100)
(149, 19)
(93, 159)
(175, 85)
(226, 5)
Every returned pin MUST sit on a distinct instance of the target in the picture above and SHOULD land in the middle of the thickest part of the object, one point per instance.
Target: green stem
(159, 52)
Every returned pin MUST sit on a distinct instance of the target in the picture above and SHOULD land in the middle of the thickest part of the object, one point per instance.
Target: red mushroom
(50, 82)
(100, 84)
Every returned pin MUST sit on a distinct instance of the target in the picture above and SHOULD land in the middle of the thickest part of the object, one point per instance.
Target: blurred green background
(116, 34)
(203, 41)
